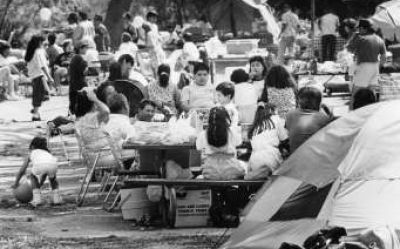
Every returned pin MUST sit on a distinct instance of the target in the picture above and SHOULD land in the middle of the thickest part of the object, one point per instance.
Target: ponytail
(218, 127)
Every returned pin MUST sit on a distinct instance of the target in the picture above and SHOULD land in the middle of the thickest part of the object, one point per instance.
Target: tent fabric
(358, 152)
(316, 163)
(387, 18)
(243, 14)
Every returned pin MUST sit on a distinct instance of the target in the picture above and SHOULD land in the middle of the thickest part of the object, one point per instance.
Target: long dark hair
(115, 71)
(218, 127)
(262, 120)
(279, 77)
(260, 59)
(163, 73)
(39, 143)
(34, 43)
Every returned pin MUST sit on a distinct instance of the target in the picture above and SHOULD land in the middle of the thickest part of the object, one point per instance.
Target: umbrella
(387, 19)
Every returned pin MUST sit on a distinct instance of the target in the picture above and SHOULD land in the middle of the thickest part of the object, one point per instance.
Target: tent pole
(233, 22)
(312, 28)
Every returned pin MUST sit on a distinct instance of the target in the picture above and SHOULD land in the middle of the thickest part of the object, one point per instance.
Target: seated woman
(307, 119)
(218, 146)
(163, 93)
(280, 90)
(8, 72)
(101, 118)
(257, 73)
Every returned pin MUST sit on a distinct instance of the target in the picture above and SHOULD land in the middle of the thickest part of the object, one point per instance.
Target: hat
(365, 23)
(152, 12)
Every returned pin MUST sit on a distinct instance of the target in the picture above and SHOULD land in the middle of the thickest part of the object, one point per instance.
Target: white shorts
(45, 169)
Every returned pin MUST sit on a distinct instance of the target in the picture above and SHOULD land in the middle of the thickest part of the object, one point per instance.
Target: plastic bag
(179, 131)
(154, 192)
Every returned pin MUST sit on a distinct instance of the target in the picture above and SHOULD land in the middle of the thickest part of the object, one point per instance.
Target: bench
(169, 207)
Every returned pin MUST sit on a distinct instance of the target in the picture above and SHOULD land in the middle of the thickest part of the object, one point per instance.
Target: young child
(265, 136)
(218, 146)
(200, 93)
(225, 93)
(245, 96)
(39, 73)
(44, 165)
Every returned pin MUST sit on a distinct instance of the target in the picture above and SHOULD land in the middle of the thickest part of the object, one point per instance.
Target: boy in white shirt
(225, 93)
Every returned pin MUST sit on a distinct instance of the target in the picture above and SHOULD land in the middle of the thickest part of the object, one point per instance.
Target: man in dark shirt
(306, 120)
(102, 37)
(370, 51)
(61, 64)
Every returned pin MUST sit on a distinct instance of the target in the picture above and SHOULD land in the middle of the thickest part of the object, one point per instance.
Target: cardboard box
(193, 209)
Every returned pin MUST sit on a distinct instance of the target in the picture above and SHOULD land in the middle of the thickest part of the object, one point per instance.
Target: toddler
(44, 165)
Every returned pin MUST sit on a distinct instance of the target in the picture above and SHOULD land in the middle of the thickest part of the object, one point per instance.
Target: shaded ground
(68, 226)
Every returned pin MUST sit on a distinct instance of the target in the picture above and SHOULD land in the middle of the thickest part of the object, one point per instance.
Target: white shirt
(233, 114)
(42, 157)
(119, 127)
(191, 51)
(126, 48)
(329, 24)
(291, 20)
(259, 86)
(36, 64)
(246, 94)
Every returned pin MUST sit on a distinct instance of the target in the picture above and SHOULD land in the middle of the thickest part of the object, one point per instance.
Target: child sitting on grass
(225, 94)
(218, 146)
(44, 165)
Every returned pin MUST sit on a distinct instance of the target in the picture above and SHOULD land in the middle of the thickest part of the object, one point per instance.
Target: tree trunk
(116, 9)
(5, 14)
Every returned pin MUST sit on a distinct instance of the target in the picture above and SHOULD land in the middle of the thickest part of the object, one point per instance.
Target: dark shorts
(38, 91)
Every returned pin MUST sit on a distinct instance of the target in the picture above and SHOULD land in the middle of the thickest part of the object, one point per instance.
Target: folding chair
(91, 158)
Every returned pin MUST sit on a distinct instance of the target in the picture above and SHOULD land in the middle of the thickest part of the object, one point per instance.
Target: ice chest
(241, 46)
(136, 205)
(192, 210)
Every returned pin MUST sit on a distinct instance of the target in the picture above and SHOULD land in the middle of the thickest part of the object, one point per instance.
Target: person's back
(368, 48)
(306, 120)
(302, 124)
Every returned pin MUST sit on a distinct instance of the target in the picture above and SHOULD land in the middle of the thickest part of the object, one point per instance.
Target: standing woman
(163, 93)
(77, 71)
(39, 73)
(258, 71)
(280, 90)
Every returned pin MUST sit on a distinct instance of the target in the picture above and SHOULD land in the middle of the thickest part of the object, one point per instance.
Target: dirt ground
(68, 226)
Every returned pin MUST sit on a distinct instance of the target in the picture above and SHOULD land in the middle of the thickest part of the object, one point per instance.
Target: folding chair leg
(110, 191)
(86, 183)
(104, 183)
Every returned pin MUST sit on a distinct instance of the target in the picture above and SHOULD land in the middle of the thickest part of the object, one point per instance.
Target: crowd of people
(266, 98)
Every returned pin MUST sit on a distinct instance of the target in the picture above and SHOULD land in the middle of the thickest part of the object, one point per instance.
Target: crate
(192, 210)
(241, 46)
(136, 205)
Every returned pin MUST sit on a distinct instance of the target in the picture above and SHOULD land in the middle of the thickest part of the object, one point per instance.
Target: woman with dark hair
(165, 94)
(77, 74)
(218, 146)
(39, 73)
(258, 70)
(279, 90)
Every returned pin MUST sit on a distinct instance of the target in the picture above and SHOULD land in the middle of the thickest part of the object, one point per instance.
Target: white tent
(348, 174)
(387, 18)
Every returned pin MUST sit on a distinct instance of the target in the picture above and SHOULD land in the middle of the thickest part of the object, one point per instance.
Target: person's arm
(103, 112)
(185, 101)
(21, 172)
